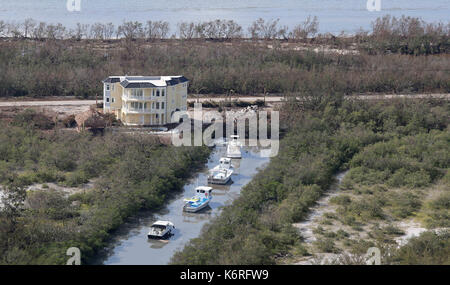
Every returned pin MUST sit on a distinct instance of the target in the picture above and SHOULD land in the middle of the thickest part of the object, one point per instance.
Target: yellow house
(144, 100)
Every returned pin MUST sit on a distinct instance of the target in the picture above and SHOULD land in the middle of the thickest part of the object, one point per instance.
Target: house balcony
(130, 110)
(137, 98)
(142, 98)
(137, 111)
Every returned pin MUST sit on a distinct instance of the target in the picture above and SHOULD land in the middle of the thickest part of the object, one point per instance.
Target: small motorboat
(224, 163)
(219, 176)
(199, 201)
(160, 229)
(234, 147)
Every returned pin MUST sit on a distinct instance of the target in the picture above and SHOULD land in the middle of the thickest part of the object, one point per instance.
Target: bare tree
(28, 26)
(156, 30)
(131, 30)
(200, 30)
(233, 30)
(55, 31)
(39, 31)
(186, 30)
(260, 29)
(14, 30)
(217, 29)
(3, 29)
(96, 31)
(306, 29)
(81, 31)
(108, 31)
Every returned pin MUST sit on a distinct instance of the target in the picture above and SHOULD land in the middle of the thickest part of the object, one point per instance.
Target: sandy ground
(66, 190)
(410, 227)
(322, 205)
(70, 107)
(59, 108)
(203, 98)
(1, 197)
(312, 221)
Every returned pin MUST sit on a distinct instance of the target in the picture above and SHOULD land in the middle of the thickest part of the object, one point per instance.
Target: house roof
(112, 79)
(146, 81)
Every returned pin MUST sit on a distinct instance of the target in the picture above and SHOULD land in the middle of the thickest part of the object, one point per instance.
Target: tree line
(66, 68)
(151, 30)
(267, 29)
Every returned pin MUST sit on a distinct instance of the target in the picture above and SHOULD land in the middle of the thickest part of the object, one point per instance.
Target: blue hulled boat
(199, 201)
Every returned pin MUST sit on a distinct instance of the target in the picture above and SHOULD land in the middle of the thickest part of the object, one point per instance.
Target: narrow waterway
(130, 244)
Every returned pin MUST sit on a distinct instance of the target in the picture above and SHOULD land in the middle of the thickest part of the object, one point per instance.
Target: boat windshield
(159, 227)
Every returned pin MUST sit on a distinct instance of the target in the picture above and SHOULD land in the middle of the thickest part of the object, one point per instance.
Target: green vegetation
(427, 249)
(392, 185)
(379, 62)
(406, 35)
(131, 173)
(326, 136)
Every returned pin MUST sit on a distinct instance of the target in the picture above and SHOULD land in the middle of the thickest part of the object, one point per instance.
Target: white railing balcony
(137, 98)
(137, 110)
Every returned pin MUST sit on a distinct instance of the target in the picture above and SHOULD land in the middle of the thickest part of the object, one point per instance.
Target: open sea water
(334, 16)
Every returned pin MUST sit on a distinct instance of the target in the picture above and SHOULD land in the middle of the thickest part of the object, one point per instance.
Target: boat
(219, 176)
(160, 229)
(234, 147)
(199, 201)
(224, 163)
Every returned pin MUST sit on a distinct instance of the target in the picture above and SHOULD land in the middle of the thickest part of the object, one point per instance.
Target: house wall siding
(175, 99)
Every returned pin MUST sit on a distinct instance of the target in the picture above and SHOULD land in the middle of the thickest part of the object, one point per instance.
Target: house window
(137, 92)
(107, 100)
(136, 105)
(162, 93)
(153, 105)
(157, 116)
(162, 105)
(157, 105)
(157, 93)
(107, 87)
(112, 87)
(112, 99)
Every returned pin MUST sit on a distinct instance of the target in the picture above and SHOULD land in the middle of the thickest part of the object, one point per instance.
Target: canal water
(130, 244)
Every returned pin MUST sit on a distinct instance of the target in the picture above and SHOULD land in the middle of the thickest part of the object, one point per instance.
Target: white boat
(160, 229)
(234, 147)
(224, 163)
(219, 176)
(199, 201)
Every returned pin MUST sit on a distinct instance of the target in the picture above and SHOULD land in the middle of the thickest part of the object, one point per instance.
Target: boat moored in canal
(160, 229)
(199, 201)
(234, 147)
(224, 163)
(219, 176)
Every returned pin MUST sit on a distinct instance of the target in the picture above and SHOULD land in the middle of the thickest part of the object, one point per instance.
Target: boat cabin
(225, 162)
(204, 191)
